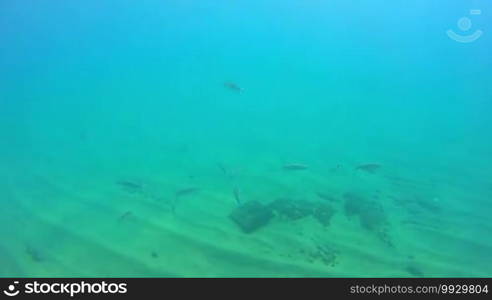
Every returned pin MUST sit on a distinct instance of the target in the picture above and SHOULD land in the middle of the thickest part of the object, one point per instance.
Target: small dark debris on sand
(324, 253)
(130, 186)
(251, 216)
(369, 168)
(34, 254)
(233, 87)
(295, 167)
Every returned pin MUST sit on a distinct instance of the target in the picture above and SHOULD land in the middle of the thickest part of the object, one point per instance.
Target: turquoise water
(132, 133)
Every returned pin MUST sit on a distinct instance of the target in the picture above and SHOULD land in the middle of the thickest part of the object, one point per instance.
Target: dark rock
(353, 204)
(298, 209)
(291, 209)
(373, 218)
(251, 216)
(323, 213)
(370, 213)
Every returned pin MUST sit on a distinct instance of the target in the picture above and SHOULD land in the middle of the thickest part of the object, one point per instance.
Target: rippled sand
(71, 224)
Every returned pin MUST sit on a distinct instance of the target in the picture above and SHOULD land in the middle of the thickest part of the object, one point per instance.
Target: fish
(235, 191)
(336, 168)
(234, 87)
(180, 193)
(130, 185)
(370, 168)
(34, 254)
(173, 207)
(125, 215)
(223, 169)
(325, 196)
(186, 191)
(295, 167)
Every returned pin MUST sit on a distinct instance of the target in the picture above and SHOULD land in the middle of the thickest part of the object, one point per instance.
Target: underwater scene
(259, 138)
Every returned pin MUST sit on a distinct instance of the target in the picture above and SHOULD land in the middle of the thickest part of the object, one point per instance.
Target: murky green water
(245, 138)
